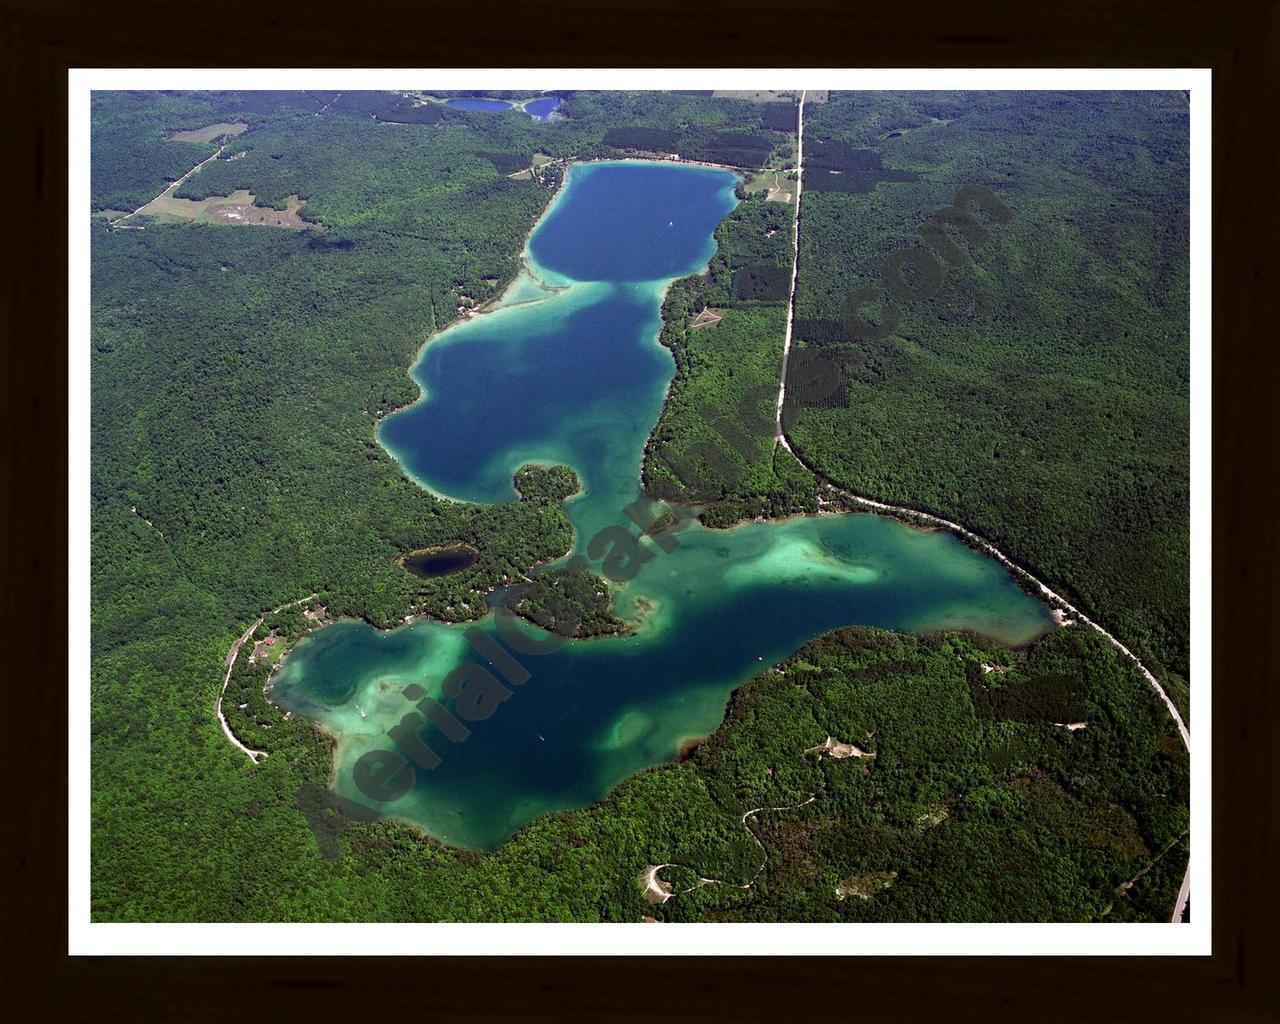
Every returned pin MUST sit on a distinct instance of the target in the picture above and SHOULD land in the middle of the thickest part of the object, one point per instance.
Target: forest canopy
(239, 377)
(1040, 395)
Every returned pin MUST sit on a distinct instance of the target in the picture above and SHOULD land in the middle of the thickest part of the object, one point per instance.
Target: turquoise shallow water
(575, 375)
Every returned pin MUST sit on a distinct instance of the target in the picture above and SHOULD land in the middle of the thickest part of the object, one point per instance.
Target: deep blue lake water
(474, 103)
(540, 108)
(570, 371)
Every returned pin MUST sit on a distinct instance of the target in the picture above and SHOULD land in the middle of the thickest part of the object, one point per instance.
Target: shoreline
(229, 664)
(1052, 598)
(438, 549)
(542, 279)
(1055, 601)
(493, 304)
(907, 517)
(488, 306)
(922, 520)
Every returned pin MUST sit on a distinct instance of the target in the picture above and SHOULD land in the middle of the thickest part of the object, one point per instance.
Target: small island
(569, 602)
(546, 483)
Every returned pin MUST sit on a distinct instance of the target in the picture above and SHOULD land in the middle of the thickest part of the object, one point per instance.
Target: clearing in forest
(708, 317)
(777, 186)
(211, 132)
(237, 208)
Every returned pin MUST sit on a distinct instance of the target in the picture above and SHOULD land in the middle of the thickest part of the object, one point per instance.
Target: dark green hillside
(714, 443)
(238, 375)
(697, 127)
(1040, 396)
(228, 414)
(962, 814)
(133, 155)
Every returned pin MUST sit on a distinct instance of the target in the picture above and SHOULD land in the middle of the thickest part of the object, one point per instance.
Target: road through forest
(1184, 891)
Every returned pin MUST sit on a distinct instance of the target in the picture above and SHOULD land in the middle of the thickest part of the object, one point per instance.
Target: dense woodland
(1040, 395)
(238, 375)
(714, 442)
(722, 131)
(284, 153)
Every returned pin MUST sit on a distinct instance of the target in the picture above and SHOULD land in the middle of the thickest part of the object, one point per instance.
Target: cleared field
(777, 186)
(237, 208)
(210, 133)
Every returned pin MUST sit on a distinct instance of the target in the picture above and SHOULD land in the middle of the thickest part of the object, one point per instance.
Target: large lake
(569, 370)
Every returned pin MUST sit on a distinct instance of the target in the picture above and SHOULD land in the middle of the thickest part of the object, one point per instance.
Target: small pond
(476, 103)
(441, 561)
(541, 108)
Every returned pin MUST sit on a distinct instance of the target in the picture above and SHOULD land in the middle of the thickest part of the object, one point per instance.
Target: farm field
(237, 208)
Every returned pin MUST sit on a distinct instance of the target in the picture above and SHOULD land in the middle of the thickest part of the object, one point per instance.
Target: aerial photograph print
(642, 506)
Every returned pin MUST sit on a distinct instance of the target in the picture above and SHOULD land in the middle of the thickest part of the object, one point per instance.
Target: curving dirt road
(658, 891)
(253, 755)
